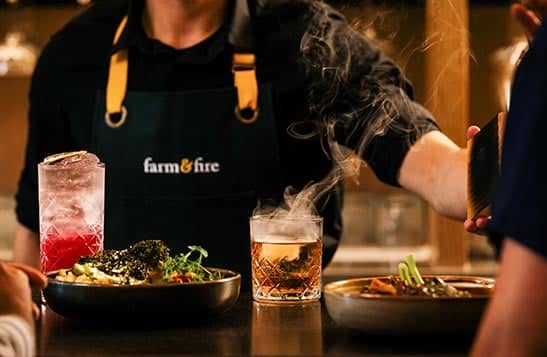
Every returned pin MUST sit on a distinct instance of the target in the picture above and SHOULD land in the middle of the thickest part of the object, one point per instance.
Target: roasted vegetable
(409, 282)
(145, 262)
(134, 263)
(151, 252)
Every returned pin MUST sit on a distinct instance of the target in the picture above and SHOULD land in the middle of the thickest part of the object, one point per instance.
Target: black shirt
(330, 74)
(520, 199)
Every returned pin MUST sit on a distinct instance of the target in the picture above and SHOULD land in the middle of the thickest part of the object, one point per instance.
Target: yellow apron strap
(117, 83)
(243, 67)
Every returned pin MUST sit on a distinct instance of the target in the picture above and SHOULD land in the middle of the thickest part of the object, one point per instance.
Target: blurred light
(17, 57)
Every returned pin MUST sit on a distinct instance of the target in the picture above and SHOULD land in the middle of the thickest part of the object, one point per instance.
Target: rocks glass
(286, 258)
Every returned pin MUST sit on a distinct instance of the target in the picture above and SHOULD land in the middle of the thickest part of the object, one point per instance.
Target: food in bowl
(145, 262)
(409, 282)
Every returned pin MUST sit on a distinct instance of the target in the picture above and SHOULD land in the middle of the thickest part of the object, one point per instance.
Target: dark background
(334, 2)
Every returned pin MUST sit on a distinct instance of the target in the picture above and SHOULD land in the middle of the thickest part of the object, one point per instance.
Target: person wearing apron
(187, 161)
(187, 167)
(188, 164)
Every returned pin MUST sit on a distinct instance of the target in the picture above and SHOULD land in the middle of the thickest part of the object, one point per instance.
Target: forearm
(26, 247)
(436, 169)
(515, 322)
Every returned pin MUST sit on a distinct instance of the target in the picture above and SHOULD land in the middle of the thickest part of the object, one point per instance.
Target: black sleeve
(520, 195)
(361, 93)
(47, 134)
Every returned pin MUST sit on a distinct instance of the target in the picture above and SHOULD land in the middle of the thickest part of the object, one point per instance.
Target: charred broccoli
(110, 261)
(135, 262)
(151, 252)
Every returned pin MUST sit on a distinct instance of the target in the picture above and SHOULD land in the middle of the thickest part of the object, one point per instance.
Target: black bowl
(408, 315)
(150, 301)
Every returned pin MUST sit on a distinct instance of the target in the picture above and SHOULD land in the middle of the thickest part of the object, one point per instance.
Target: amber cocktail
(286, 258)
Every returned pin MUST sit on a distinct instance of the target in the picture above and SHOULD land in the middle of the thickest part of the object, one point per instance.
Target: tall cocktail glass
(71, 200)
(286, 256)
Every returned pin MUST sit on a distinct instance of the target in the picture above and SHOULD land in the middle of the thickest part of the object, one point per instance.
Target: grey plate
(199, 299)
(398, 315)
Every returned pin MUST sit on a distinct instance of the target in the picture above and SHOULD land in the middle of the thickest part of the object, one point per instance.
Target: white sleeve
(16, 337)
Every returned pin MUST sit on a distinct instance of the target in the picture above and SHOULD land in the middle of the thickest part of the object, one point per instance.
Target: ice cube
(75, 159)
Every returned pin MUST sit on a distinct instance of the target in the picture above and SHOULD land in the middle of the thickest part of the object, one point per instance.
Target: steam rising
(347, 97)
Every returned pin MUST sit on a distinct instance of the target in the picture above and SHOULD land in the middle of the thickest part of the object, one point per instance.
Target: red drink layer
(61, 252)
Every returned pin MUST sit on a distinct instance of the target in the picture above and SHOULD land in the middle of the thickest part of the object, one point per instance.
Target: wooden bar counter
(247, 329)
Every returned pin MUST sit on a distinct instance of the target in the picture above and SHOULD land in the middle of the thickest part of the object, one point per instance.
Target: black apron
(186, 168)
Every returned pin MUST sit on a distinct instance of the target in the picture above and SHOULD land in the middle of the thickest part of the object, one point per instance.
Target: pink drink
(61, 252)
(71, 198)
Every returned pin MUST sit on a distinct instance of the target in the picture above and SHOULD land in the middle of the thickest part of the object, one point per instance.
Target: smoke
(349, 98)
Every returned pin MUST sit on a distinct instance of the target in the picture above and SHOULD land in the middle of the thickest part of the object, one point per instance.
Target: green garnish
(414, 270)
(408, 271)
(182, 264)
(404, 274)
(410, 283)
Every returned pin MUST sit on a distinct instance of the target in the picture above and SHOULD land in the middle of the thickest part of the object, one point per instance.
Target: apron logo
(186, 166)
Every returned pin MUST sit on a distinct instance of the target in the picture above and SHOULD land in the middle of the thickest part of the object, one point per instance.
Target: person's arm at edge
(515, 321)
(26, 246)
(16, 337)
(17, 310)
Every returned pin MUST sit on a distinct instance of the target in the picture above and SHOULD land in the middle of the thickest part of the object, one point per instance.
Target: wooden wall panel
(447, 97)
